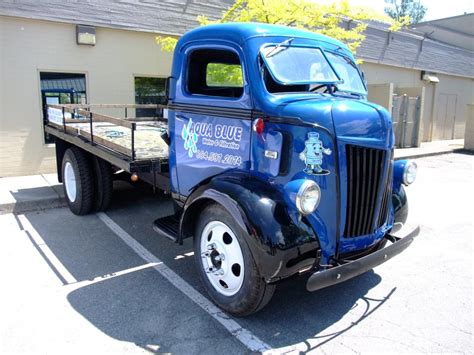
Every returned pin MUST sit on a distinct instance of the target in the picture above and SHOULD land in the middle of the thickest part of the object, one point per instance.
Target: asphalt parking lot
(107, 283)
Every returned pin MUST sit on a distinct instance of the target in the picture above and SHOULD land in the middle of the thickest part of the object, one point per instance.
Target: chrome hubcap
(70, 181)
(222, 258)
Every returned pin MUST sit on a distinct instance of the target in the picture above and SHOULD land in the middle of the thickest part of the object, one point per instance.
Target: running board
(167, 227)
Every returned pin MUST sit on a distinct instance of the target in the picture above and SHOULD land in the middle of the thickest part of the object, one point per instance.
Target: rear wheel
(77, 181)
(226, 265)
(103, 184)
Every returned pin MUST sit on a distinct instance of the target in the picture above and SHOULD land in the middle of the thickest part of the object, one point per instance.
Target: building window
(215, 72)
(61, 88)
(149, 91)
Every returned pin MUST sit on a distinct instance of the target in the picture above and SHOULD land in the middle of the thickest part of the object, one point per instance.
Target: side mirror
(168, 89)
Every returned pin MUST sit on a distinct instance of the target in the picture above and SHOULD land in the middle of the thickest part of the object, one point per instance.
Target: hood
(352, 121)
(363, 123)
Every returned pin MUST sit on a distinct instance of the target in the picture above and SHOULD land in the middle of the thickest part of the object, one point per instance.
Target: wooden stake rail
(97, 117)
(88, 106)
(84, 122)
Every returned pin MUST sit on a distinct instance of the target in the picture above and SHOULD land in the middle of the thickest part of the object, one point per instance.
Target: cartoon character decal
(312, 155)
(190, 138)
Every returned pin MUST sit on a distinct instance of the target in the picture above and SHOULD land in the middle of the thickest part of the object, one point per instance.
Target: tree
(407, 8)
(323, 17)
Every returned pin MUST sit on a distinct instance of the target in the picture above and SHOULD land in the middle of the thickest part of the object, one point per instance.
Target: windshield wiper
(278, 46)
(350, 62)
(347, 93)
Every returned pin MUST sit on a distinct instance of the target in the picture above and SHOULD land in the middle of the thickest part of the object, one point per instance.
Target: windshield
(348, 72)
(298, 65)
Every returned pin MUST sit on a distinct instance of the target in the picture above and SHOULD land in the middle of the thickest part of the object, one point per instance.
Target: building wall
(469, 133)
(31, 46)
(411, 50)
(462, 87)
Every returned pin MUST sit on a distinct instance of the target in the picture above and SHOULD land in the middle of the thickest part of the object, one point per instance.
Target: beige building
(33, 47)
(445, 103)
(433, 61)
(41, 62)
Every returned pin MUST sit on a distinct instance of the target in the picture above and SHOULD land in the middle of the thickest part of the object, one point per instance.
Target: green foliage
(167, 43)
(224, 75)
(322, 17)
(407, 9)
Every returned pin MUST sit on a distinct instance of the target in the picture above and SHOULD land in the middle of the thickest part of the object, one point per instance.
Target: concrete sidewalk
(37, 192)
(427, 149)
(20, 194)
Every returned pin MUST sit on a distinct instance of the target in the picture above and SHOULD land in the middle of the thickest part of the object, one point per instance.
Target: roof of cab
(239, 32)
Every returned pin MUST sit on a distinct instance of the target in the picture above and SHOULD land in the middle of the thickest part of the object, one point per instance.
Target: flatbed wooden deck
(129, 141)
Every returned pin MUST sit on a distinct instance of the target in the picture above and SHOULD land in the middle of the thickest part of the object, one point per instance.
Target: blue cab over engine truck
(276, 162)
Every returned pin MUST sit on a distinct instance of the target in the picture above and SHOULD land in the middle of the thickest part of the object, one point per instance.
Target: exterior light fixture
(404, 172)
(429, 77)
(305, 194)
(85, 35)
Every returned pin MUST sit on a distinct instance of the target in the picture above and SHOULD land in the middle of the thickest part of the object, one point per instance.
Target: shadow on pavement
(136, 308)
(143, 308)
(295, 315)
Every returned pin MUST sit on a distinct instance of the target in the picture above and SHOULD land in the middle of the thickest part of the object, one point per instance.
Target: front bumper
(354, 268)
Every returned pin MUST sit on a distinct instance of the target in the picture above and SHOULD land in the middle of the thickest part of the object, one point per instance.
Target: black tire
(82, 203)
(103, 184)
(254, 293)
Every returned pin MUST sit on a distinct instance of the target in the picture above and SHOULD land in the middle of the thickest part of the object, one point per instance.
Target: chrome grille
(387, 195)
(365, 167)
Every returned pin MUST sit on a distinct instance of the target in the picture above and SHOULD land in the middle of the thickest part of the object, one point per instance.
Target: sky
(436, 8)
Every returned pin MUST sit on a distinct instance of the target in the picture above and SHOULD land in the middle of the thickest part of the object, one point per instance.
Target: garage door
(445, 117)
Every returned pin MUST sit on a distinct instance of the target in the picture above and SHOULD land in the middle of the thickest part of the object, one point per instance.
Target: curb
(422, 155)
(31, 206)
(430, 154)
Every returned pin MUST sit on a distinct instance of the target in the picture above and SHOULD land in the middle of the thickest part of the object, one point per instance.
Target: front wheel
(226, 265)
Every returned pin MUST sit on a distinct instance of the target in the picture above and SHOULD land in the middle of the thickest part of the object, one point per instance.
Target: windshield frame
(345, 56)
(302, 82)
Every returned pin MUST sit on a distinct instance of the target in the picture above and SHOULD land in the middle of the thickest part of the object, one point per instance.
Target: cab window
(213, 72)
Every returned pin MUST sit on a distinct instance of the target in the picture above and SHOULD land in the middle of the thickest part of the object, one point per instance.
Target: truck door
(210, 117)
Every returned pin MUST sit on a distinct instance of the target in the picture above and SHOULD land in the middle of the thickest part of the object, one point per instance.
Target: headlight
(308, 197)
(409, 175)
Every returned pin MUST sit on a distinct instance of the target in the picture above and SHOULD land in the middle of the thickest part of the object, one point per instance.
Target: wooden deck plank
(148, 141)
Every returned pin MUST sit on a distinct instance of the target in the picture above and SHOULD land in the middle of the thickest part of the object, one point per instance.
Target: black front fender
(281, 241)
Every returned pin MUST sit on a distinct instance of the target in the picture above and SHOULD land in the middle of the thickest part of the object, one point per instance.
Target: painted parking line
(64, 275)
(248, 339)
(60, 270)
(113, 275)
